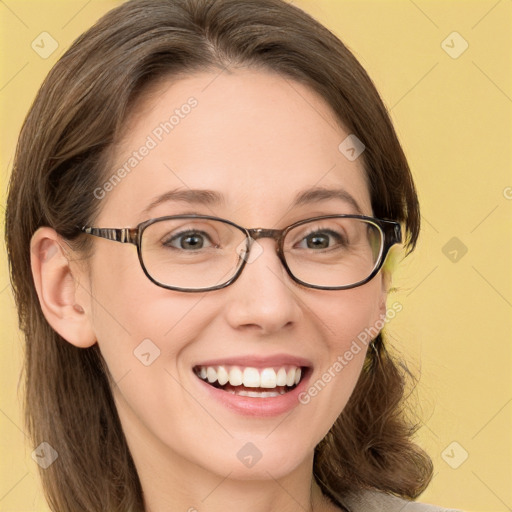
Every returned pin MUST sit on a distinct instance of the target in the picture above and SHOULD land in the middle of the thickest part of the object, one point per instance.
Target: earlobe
(56, 288)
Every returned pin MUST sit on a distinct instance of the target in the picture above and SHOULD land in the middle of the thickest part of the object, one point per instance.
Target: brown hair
(60, 160)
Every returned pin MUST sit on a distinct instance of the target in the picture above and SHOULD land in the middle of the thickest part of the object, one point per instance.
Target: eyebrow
(319, 194)
(213, 198)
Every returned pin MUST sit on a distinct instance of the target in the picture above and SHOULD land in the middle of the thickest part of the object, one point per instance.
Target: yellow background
(453, 117)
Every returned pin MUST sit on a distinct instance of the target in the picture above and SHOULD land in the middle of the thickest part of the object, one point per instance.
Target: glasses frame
(390, 230)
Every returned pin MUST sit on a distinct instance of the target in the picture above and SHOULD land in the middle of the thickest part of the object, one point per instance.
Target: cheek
(349, 321)
(348, 314)
(138, 324)
(143, 332)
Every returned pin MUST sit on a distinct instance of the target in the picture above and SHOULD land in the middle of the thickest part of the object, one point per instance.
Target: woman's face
(257, 140)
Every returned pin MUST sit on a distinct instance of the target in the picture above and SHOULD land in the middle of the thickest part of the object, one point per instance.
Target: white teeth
(281, 377)
(250, 377)
(211, 374)
(290, 377)
(222, 375)
(268, 378)
(235, 376)
(255, 394)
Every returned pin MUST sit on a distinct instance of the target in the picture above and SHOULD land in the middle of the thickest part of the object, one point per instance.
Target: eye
(188, 240)
(323, 239)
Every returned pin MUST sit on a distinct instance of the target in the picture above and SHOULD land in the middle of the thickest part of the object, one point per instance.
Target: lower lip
(251, 406)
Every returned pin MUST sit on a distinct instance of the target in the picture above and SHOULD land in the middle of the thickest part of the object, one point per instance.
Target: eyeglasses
(197, 253)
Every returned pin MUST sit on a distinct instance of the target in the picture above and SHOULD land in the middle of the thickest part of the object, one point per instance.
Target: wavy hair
(60, 160)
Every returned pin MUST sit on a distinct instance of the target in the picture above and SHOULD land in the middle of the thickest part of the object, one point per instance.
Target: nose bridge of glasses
(257, 233)
(275, 234)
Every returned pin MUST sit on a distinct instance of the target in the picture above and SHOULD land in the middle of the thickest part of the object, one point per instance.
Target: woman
(209, 190)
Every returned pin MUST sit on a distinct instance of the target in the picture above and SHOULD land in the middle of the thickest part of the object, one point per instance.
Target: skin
(249, 134)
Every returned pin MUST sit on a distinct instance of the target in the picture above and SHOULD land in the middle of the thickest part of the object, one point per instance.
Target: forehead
(256, 138)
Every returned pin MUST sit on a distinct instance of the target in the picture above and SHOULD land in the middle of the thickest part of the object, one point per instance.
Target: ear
(57, 288)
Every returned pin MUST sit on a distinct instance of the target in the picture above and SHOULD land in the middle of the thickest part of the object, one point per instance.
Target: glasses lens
(333, 252)
(192, 253)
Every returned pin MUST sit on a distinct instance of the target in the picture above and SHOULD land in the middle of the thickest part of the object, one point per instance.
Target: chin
(262, 460)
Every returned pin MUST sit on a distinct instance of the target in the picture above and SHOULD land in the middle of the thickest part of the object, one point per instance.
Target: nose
(264, 297)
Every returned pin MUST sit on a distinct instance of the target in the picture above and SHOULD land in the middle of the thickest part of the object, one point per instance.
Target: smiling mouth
(252, 382)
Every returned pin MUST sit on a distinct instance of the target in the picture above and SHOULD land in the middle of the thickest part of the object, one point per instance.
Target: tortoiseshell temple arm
(123, 235)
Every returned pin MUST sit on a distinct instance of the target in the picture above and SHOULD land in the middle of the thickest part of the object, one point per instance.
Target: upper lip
(256, 361)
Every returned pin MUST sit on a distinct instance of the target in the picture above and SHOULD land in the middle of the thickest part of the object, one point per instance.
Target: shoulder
(377, 501)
